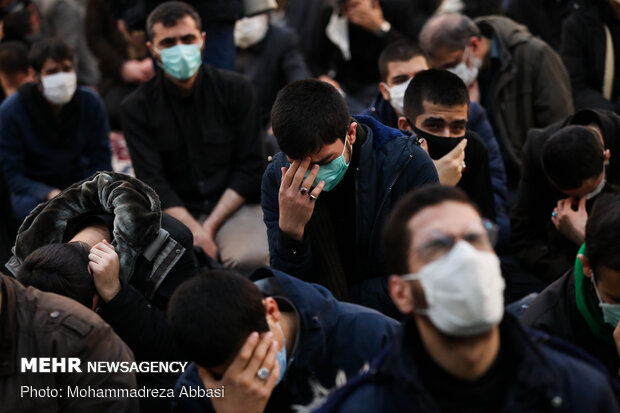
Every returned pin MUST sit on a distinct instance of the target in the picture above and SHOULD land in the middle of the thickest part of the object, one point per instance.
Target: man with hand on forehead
(325, 198)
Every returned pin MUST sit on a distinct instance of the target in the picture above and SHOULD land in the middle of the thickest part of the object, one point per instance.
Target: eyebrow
(322, 161)
(434, 119)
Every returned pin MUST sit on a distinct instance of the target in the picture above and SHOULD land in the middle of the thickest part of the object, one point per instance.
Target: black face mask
(438, 146)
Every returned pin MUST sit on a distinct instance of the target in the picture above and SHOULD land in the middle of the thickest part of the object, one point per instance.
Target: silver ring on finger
(263, 374)
(463, 165)
(312, 197)
(303, 190)
(554, 214)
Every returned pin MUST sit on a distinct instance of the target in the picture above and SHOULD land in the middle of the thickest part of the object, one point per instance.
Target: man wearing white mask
(516, 77)
(458, 350)
(53, 133)
(267, 54)
(194, 136)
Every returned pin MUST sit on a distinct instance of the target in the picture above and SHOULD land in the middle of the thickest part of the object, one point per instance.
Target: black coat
(555, 311)
(542, 17)
(536, 241)
(190, 150)
(583, 51)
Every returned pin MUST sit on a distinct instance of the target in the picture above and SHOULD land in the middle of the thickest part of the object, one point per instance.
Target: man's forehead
(448, 217)
(408, 67)
(449, 113)
(184, 26)
(445, 58)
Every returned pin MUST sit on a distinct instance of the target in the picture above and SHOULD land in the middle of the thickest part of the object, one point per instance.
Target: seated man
(398, 64)
(15, 69)
(564, 168)
(458, 350)
(194, 135)
(581, 306)
(437, 108)
(280, 340)
(53, 133)
(328, 193)
(516, 77)
(36, 325)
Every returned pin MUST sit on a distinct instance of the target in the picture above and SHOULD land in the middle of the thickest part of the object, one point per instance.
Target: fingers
(317, 190)
(243, 357)
(299, 174)
(459, 150)
(582, 203)
(311, 177)
(288, 174)
(260, 352)
(275, 373)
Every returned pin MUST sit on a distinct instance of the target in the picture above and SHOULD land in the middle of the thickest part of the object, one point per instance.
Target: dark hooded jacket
(332, 337)
(545, 377)
(530, 89)
(37, 324)
(535, 240)
(390, 165)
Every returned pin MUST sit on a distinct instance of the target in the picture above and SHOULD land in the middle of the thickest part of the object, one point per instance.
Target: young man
(35, 325)
(565, 166)
(517, 77)
(458, 351)
(268, 344)
(437, 108)
(194, 135)
(582, 306)
(398, 64)
(53, 133)
(327, 194)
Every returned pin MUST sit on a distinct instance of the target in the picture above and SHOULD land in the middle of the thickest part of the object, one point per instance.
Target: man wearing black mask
(436, 108)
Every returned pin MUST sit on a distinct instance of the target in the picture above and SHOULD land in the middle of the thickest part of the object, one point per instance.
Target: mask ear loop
(416, 310)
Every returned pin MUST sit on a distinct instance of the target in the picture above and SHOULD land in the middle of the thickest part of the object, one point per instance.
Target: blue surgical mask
(281, 357)
(611, 312)
(181, 61)
(333, 172)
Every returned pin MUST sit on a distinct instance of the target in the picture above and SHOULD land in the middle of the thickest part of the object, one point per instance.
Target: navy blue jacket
(546, 379)
(332, 337)
(390, 165)
(478, 122)
(34, 167)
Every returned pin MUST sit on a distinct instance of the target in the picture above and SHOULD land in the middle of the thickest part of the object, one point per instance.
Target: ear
(474, 44)
(400, 291)
(585, 262)
(403, 124)
(203, 35)
(272, 311)
(154, 53)
(607, 155)
(383, 88)
(352, 133)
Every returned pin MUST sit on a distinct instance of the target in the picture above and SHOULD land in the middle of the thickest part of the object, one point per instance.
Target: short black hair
(308, 114)
(13, 58)
(62, 269)
(169, 13)
(571, 155)
(52, 48)
(602, 229)
(396, 235)
(398, 51)
(435, 86)
(212, 314)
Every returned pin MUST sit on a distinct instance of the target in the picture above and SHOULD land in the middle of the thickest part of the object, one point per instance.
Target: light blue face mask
(281, 357)
(181, 61)
(333, 172)
(611, 312)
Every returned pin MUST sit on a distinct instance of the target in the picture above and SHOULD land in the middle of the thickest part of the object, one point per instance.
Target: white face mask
(467, 73)
(598, 189)
(251, 30)
(59, 87)
(464, 291)
(397, 96)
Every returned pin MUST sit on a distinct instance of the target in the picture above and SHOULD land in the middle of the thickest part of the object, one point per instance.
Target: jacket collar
(534, 380)
(8, 326)
(507, 34)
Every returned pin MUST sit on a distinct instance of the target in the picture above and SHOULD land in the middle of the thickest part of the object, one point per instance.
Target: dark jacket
(38, 324)
(106, 42)
(535, 240)
(543, 18)
(332, 337)
(583, 51)
(531, 88)
(390, 165)
(477, 122)
(34, 166)
(555, 311)
(544, 379)
(191, 149)
(270, 65)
